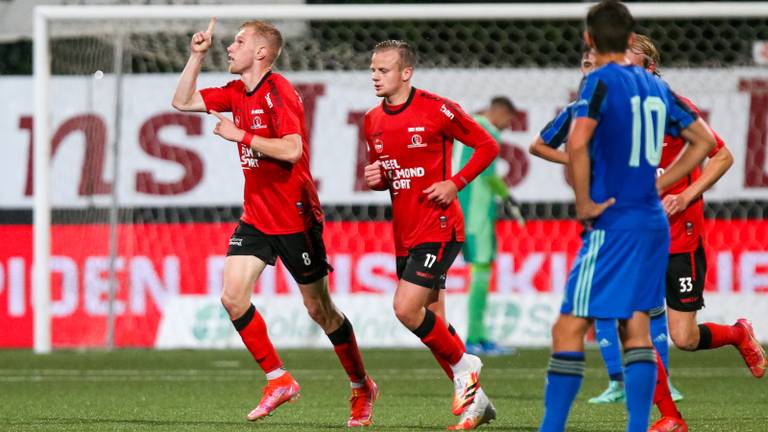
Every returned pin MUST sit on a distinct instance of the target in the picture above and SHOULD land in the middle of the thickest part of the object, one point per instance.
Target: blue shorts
(617, 273)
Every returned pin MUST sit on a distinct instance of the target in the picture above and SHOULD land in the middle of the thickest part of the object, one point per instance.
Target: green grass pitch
(213, 390)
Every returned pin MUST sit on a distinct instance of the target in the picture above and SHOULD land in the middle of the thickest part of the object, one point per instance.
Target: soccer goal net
(134, 202)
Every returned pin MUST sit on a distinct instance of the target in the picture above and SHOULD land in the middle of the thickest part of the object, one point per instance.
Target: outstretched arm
(186, 97)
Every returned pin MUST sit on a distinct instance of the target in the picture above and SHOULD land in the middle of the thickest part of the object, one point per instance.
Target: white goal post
(45, 15)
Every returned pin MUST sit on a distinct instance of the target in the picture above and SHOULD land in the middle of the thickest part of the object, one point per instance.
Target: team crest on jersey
(257, 124)
(416, 141)
(378, 145)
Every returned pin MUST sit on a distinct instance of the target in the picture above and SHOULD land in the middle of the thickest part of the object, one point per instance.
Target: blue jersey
(633, 110)
(555, 133)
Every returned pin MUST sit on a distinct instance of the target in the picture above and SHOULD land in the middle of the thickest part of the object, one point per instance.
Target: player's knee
(408, 316)
(316, 311)
(683, 339)
(234, 306)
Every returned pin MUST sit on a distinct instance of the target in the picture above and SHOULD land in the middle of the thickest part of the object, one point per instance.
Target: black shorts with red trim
(686, 273)
(303, 254)
(427, 264)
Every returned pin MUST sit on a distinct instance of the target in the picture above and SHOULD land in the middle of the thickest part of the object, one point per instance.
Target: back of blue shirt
(633, 110)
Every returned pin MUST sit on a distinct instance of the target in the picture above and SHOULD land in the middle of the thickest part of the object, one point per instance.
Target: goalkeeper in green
(478, 203)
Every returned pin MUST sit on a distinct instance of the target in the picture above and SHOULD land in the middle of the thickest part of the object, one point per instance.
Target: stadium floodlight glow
(83, 16)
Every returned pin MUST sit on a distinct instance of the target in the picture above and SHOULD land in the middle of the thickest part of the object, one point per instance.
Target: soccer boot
(669, 424)
(362, 400)
(480, 411)
(275, 393)
(751, 350)
(613, 394)
(466, 385)
(675, 393)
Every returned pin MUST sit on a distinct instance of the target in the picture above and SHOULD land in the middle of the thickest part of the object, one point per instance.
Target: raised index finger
(211, 25)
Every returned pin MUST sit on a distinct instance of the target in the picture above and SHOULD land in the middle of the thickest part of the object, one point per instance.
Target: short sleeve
(680, 114)
(218, 98)
(593, 94)
(555, 133)
(285, 107)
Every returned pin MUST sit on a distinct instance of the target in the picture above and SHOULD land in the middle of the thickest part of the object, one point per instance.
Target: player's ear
(261, 52)
(407, 73)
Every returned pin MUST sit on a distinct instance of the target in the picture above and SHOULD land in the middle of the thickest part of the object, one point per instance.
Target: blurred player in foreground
(606, 331)
(410, 136)
(282, 216)
(478, 203)
(546, 146)
(613, 150)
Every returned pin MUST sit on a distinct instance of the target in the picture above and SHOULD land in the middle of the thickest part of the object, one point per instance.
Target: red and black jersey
(279, 197)
(414, 143)
(687, 227)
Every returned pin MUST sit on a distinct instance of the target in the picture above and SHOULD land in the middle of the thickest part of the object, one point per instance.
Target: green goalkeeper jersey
(478, 200)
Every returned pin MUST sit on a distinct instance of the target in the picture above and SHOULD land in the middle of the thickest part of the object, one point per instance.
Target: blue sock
(640, 383)
(564, 375)
(660, 335)
(607, 336)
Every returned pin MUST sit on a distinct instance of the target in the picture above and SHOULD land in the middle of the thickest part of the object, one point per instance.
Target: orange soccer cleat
(751, 350)
(362, 400)
(669, 424)
(466, 385)
(275, 393)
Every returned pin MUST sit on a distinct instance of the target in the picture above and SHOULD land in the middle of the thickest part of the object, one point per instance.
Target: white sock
(357, 384)
(275, 374)
(462, 366)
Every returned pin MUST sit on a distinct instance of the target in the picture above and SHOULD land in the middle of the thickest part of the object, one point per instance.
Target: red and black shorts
(427, 264)
(303, 254)
(686, 273)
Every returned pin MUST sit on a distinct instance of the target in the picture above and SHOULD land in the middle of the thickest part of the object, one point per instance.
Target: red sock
(345, 345)
(443, 363)
(457, 338)
(253, 331)
(662, 397)
(434, 333)
(713, 335)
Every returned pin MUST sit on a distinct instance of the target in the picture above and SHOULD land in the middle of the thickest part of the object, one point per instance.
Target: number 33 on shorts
(686, 284)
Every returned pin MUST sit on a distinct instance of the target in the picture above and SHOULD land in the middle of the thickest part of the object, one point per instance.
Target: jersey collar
(261, 81)
(402, 107)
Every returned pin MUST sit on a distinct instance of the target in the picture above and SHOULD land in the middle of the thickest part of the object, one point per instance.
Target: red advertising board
(159, 261)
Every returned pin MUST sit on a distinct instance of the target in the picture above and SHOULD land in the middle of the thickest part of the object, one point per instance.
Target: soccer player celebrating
(282, 215)
(613, 150)
(478, 204)
(410, 136)
(686, 271)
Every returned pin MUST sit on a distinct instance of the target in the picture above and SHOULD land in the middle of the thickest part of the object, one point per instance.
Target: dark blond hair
(651, 55)
(406, 51)
(271, 35)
